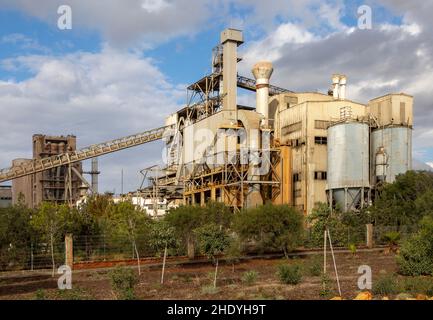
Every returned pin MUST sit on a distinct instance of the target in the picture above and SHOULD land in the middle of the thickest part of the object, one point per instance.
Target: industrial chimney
(262, 71)
(230, 40)
(335, 85)
(343, 81)
(339, 82)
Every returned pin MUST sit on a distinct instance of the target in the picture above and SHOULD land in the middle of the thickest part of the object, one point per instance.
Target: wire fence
(97, 248)
(32, 256)
(104, 248)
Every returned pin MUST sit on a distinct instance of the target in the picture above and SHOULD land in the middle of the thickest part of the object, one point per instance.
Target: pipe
(262, 72)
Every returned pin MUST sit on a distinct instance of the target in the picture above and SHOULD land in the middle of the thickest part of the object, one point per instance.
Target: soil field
(195, 281)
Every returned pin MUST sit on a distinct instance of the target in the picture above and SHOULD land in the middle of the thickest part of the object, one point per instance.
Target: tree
(323, 218)
(51, 220)
(416, 253)
(16, 235)
(233, 251)
(272, 226)
(184, 220)
(128, 220)
(405, 201)
(161, 238)
(213, 241)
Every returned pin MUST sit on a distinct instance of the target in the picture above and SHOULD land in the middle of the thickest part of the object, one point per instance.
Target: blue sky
(96, 80)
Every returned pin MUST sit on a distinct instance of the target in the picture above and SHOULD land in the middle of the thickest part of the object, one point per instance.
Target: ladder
(96, 150)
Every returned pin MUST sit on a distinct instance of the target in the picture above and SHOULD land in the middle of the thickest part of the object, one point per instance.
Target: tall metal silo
(391, 153)
(348, 165)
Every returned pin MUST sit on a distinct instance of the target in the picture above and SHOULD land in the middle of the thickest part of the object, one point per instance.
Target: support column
(69, 251)
(369, 238)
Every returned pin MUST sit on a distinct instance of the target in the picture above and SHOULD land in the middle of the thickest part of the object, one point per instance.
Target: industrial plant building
(295, 148)
(59, 184)
(322, 147)
(5, 196)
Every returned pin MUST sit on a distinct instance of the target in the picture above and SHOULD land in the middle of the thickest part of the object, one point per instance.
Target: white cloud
(124, 24)
(269, 48)
(97, 97)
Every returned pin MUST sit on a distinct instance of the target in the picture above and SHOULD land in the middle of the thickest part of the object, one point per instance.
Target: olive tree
(128, 220)
(162, 237)
(51, 220)
(213, 241)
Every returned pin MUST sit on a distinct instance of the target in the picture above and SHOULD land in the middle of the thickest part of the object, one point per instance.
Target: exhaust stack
(343, 81)
(262, 72)
(230, 40)
(335, 86)
(339, 82)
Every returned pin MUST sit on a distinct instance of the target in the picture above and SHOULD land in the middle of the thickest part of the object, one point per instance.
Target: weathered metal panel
(348, 164)
(348, 154)
(397, 147)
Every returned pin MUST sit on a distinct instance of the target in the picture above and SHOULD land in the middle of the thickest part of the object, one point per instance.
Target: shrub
(416, 253)
(386, 284)
(314, 266)
(289, 274)
(123, 281)
(249, 277)
(40, 294)
(352, 248)
(391, 237)
(73, 294)
(271, 227)
(209, 290)
(326, 281)
(418, 285)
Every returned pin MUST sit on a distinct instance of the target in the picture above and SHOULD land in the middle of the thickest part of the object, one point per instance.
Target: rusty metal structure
(290, 148)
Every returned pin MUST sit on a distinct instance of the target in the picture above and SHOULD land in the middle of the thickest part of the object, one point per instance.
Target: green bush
(352, 248)
(391, 237)
(289, 274)
(418, 285)
(73, 294)
(326, 285)
(385, 284)
(123, 281)
(416, 253)
(314, 266)
(249, 277)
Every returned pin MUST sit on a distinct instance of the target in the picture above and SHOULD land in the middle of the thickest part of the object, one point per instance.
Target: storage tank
(348, 164)
(391, 152)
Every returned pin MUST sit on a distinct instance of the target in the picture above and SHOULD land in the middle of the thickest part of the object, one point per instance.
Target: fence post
(369, 238)
(69, 250)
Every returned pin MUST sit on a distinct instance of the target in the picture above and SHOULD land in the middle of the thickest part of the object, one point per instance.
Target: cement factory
(296, 148)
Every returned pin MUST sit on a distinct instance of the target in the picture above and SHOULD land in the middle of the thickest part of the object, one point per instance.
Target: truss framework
(39, 165)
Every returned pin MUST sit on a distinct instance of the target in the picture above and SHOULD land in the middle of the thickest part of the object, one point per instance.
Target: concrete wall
(298, 125)
(5, 196)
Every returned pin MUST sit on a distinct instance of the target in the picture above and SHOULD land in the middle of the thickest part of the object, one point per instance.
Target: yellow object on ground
(365, 295)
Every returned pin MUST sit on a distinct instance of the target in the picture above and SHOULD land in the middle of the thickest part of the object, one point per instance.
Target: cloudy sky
(124, 65)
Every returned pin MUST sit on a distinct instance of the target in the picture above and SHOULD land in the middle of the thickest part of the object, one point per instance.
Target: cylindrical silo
(348, 164)
(391, 152)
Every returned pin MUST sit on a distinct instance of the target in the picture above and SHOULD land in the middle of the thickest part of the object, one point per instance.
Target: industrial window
(320, 140)
(291, 128)
(320, 175)
(296, 177)
(321, 124)
(296, 142)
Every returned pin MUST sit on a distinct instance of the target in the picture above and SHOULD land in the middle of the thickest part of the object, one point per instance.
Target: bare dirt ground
(195, 281)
